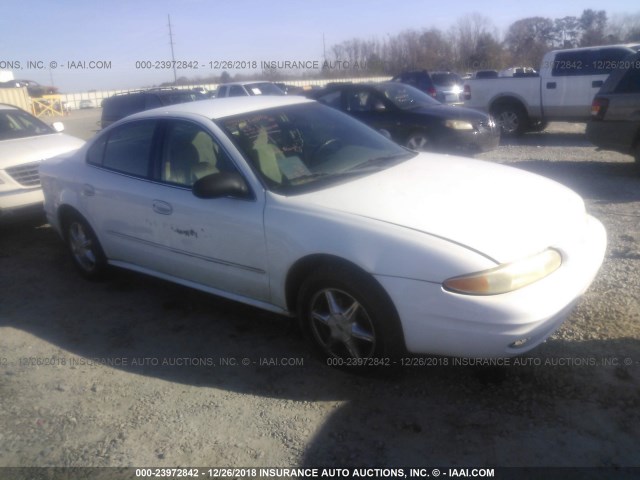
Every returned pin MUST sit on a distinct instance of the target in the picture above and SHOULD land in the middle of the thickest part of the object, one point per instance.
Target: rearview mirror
(221, 184)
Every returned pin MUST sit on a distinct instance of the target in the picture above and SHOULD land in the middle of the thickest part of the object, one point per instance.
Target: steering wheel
(330, 145)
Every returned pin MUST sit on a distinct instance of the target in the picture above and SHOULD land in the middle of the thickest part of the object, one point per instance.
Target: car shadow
(504, 415)
(547, 139)
(496, 415)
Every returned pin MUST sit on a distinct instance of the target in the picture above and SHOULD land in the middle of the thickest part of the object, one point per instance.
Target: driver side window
(360, 101)
(190, 153)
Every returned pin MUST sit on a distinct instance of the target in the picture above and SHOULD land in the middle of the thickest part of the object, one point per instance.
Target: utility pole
(173, 58)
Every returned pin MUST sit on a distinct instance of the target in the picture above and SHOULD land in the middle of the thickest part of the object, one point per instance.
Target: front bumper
(482, 138)
(17, 202)
(436, 321)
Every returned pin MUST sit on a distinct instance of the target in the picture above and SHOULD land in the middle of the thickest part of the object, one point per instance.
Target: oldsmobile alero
(294, 207)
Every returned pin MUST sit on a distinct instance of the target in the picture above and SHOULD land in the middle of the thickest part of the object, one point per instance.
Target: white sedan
(25, 142)
(296, 208)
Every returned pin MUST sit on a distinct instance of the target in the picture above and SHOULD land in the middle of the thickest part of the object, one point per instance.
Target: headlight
(458, 125)
(508, 277)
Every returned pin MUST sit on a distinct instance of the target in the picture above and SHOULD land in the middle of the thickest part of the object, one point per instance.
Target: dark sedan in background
(615, 111)
(412, 118)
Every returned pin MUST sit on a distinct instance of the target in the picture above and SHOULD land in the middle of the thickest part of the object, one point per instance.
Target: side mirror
(58, 126)
(221, 184)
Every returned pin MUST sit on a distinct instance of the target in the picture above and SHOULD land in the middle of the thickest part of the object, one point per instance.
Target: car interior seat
(183, 159)
(265, 155)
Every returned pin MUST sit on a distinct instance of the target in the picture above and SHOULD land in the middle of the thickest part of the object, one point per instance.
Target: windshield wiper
(377, 162)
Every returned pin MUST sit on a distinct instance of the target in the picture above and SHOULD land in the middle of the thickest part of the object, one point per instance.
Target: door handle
(163, 208)
(88, 190)
(551, 85)
(597, 83)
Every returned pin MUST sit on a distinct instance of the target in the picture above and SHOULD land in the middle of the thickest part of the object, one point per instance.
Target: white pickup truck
(562, 91)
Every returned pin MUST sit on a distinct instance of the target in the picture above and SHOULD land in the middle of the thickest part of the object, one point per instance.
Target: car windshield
(298, 148)
(181, 97)
(19, 124)
(405, 96)
(446, 79)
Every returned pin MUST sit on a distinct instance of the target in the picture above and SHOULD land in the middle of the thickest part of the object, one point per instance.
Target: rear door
(116, 192)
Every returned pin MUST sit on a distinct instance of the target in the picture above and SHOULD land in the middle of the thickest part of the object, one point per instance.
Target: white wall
(96, 97)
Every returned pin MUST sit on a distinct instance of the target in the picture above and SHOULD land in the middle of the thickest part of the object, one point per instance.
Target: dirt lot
(137, 372)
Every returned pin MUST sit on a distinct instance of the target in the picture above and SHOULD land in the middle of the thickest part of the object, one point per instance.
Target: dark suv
(615, 111)
(120, 105)
(418, 79)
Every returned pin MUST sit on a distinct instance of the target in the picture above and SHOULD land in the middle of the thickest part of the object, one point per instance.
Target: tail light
(432, 91)
(599, 108)
(467, 92)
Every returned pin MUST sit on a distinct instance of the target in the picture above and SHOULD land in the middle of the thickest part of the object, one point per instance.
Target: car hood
(501, 212)
(31, 149)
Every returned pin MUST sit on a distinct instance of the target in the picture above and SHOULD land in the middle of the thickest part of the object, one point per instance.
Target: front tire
(418, 142)
(84, 248)
(349, 318)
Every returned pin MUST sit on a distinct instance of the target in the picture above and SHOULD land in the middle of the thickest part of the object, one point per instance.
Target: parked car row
(410, 117)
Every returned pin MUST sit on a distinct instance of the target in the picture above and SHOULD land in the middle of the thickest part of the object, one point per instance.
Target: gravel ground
(138, 372)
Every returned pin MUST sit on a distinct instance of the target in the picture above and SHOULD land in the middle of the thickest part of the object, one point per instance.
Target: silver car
(448, 87)
(25, 142)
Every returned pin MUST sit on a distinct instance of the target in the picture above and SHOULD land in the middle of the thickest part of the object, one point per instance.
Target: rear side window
(588, 62)
(128, 148)
(630, 82)
(124, 105)
(152, 101)
(95, 155)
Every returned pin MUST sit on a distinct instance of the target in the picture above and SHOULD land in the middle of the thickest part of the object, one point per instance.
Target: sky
(85, 45)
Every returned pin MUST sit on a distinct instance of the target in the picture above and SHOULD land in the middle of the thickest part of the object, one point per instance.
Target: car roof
(253, 82)
(6, 106)
(225, 107)
(631, 46)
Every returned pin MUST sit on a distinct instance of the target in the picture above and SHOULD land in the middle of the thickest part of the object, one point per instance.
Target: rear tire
(349, 319)
(85, 250)
(512, 119)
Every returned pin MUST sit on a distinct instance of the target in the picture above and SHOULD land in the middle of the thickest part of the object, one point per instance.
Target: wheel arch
(303, 267)
(501, 101)
(65, 213)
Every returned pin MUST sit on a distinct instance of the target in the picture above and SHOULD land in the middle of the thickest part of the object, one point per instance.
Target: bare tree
(624, 28)
(465, 37)
(593, 25)
(528, 39)
(566, 32)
